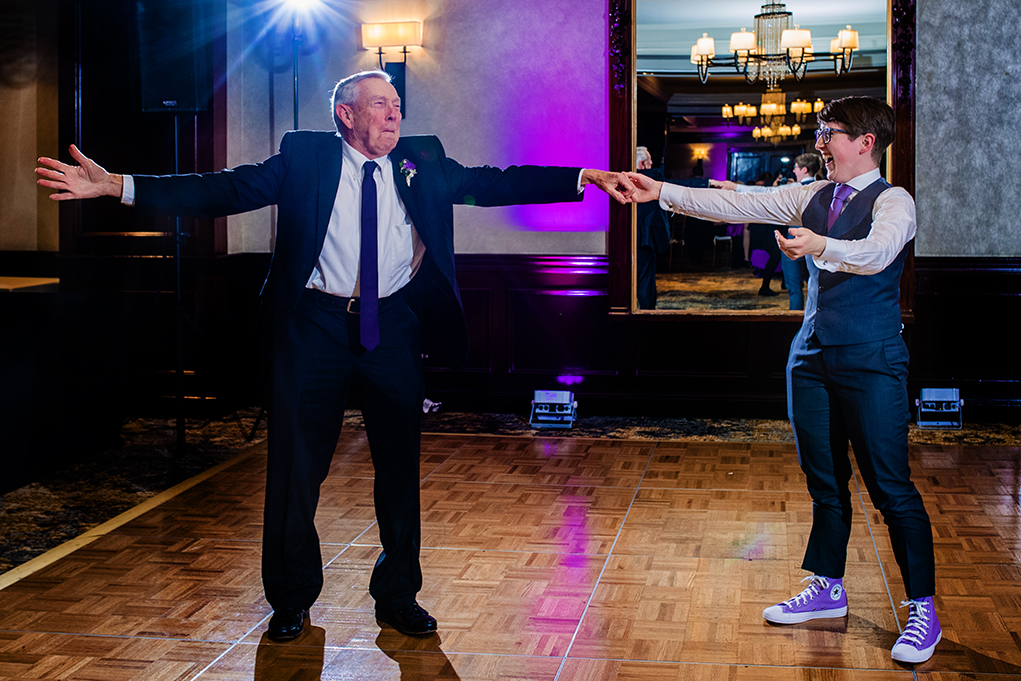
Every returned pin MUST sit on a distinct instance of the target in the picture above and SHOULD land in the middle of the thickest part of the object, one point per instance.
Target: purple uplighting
(570, 380)
(576, 292)
(557, 132)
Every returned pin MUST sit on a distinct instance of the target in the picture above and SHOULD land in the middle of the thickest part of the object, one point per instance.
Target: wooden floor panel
(544, 558)
(314, 661)
(69, 656)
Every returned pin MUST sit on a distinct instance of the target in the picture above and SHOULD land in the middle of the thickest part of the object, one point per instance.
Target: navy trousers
(318, 364)
(857, 394)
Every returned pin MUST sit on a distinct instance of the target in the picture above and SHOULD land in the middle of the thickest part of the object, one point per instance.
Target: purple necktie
(840, 195)
(369, 273)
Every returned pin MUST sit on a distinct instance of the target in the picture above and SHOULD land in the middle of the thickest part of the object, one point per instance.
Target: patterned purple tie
(840, 195)
(369, 272)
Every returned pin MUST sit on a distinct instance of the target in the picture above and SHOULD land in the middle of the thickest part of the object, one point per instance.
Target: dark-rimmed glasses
(826, 134)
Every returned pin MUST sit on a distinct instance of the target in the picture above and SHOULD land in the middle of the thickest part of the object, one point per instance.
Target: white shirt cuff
(128, 191)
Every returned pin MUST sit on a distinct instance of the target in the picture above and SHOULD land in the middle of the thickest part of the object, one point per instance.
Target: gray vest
(844, 308)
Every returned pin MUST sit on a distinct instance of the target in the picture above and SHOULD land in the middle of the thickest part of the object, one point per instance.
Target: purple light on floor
(570, 380)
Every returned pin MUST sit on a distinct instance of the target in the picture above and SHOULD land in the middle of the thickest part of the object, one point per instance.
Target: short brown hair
(810, 162)
(860, 116)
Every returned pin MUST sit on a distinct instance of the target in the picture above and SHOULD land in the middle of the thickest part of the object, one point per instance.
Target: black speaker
(174, 54)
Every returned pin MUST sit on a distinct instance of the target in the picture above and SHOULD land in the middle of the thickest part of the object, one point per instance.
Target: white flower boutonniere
(408, 170)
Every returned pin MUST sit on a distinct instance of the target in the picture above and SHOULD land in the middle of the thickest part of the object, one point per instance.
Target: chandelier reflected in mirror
(774, 50)
(773, 110)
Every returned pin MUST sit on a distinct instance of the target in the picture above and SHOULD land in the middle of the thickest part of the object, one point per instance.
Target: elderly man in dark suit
(363, 266)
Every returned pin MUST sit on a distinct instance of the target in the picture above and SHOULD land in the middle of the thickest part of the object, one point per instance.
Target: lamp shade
(396, 34)
(847, 39)
(817, 106)
(750, 111)
(741, 110)
(728, 111)
(742, 41)
(795, 129)
(796, 39)
(706, 46)
(769, 109)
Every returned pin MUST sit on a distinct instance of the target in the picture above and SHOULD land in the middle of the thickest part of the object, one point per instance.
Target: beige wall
(28, 123)
(500, 82)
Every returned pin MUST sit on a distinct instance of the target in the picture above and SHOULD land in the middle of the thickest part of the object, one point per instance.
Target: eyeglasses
(826, 134)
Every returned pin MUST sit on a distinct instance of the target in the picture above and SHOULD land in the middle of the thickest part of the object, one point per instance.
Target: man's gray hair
(643, 154)
(346, 91)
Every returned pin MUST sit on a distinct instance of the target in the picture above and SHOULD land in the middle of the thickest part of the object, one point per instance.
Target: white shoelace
(809, 593)
(917, 627)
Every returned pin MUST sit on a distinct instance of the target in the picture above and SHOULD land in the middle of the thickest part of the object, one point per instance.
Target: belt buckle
(350, 302)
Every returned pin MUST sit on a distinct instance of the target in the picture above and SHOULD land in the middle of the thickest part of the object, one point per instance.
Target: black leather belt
(349, 305)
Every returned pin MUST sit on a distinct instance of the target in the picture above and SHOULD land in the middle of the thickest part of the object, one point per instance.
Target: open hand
(803, 242)
(85, 181)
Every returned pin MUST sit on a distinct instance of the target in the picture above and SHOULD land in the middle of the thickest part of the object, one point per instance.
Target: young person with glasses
(847, 369)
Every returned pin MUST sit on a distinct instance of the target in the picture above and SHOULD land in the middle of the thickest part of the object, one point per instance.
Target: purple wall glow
(553, 108)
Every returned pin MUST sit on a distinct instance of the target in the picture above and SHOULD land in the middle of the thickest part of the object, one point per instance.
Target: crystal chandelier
(774, 49)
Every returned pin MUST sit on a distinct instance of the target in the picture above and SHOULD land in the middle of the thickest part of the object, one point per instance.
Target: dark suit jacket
(302, 181)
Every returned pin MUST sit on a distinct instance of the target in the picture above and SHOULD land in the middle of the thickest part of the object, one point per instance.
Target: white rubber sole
(913, 655)
(777, 615)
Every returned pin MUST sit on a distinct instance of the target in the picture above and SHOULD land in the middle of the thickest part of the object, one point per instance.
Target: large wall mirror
(692, 127)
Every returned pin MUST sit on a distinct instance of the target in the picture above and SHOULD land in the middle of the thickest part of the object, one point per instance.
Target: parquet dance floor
(544, 558)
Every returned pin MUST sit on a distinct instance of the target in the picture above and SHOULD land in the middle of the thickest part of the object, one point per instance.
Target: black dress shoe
(287, 624)
(765, 291)
(410, 620)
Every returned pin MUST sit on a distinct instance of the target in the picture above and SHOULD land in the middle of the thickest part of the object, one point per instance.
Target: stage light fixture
(940, 408)
(553, 409)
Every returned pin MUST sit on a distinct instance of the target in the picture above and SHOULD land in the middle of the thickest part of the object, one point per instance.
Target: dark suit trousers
(857, 393)
(317, 365)
(645, 278)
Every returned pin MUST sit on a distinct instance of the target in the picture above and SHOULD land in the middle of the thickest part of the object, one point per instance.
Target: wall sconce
(403, 34)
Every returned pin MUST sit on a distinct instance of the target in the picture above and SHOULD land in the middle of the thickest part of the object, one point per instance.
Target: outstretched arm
(84, 181)
(803, 242)
(616, 185)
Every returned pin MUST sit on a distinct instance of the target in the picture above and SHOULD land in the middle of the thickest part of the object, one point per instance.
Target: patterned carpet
(723, 289)
(44, 514)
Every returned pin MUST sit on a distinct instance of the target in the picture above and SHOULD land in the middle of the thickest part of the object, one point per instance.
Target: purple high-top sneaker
(824, 597)
(918, 641)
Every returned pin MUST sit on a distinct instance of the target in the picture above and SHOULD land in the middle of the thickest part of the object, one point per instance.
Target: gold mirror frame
(622, 99)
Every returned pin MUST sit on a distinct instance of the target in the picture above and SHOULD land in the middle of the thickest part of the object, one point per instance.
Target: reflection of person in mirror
(356, 200)
(653, 232)
(807, 169)
(847, 369)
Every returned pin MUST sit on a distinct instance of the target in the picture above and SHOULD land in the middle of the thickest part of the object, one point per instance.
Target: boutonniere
(408, 170)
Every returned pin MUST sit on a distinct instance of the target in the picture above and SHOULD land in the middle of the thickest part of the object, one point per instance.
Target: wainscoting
(77, 361)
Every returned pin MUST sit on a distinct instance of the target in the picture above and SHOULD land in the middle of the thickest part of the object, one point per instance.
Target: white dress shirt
(893, 218)
(400, 249)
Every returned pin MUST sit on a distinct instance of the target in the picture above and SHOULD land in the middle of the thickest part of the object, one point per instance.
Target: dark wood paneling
(965, 332)
(560, 332)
